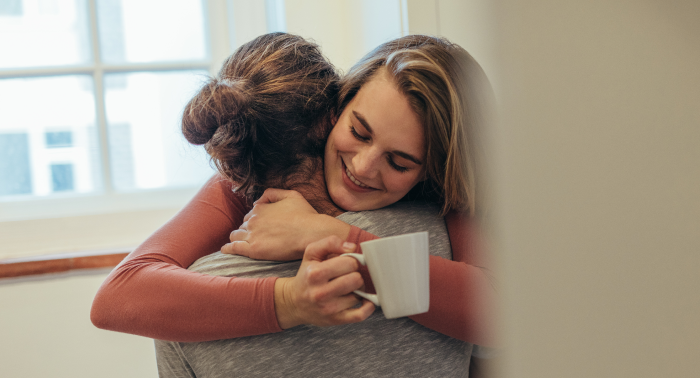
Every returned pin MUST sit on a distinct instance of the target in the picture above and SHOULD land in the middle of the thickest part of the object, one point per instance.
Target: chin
(341, 201)
(347, 202)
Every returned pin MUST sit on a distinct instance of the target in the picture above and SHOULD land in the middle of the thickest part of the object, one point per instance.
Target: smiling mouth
(354, 180)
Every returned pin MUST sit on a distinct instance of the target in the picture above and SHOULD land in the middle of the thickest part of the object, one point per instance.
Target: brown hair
(268, 110)
(450, 93)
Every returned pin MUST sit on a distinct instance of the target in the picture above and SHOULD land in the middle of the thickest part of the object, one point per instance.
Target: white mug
(399, 267)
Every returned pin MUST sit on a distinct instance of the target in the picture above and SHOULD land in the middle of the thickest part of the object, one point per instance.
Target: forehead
(389, 114)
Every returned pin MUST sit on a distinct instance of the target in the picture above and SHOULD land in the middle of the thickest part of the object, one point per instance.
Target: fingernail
(349, 246)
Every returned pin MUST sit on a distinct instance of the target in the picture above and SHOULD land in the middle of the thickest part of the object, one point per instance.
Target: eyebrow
(404, 155)
(363, 121)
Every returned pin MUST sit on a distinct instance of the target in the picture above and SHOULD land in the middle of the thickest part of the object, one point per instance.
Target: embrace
(246, 279)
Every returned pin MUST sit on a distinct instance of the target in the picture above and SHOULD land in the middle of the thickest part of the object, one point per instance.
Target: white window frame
(110, 221)
(229, 23)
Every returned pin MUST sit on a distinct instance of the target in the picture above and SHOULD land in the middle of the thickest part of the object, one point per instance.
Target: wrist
(325, 226)
(284, 309)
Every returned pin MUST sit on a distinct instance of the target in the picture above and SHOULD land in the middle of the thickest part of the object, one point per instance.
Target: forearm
(461, 302)
(150, 297)
(151, 293)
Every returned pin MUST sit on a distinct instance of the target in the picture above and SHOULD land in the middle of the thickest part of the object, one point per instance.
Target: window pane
(57, 139)
(15, 177)
(146, 146)
(151, 31)
(43, 33)
(47, 122)
(62, 177)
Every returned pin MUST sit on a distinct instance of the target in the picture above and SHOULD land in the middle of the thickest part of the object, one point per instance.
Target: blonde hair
(450, 93)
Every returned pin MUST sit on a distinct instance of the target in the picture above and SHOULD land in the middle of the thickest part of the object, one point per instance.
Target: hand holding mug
(322, 291)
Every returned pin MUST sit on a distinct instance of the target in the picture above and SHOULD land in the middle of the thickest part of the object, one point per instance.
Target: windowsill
(73, 244)
(11, 268)
(73, 205)
(46, 238)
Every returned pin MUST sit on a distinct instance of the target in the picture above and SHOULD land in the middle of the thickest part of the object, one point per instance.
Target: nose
(366, 163)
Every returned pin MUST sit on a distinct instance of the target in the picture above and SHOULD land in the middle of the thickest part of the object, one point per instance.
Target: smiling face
(376, 151)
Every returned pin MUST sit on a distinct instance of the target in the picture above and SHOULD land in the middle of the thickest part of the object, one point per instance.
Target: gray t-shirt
(376, 347)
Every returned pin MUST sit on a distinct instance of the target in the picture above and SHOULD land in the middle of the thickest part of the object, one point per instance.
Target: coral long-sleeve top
(151, 293)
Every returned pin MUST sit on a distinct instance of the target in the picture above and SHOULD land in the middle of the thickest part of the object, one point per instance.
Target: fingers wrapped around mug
(322, 291)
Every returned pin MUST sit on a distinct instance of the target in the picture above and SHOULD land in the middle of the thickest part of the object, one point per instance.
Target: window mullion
(159, 66)
(46, 71)
(98, 77)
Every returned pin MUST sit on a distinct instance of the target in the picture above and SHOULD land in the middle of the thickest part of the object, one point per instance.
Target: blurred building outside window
(92, 93)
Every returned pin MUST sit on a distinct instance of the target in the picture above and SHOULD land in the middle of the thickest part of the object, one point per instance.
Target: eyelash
(357, 135)
(396, 166)
(388, 158)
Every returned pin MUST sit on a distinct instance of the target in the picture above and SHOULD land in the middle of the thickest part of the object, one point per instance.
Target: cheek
(401, 183)
(332, 146)
(340, 141)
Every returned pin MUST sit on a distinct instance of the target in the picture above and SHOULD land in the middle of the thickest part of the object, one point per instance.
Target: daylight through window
(92, 92)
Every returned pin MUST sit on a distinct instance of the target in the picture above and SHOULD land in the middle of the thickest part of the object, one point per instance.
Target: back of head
(450, 93)
(267, 111)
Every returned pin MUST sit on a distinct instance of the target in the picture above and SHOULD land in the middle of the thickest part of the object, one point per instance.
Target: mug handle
(370, 297)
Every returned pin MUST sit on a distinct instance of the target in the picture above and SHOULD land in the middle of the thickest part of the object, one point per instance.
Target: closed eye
(357, 135)
(397, 167)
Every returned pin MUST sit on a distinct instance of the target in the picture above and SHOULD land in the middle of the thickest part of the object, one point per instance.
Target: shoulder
(401, 217)
(219, 191)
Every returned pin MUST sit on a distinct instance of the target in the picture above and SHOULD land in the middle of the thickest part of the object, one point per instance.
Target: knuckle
(314, 274)
(354, 317)
(356, 279)
(318, 297)
(236, 235)
(326, 310)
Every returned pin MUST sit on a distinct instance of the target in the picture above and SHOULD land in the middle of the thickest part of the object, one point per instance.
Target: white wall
(599, 183)
(345, 29)
(45, 331)
(468, 23)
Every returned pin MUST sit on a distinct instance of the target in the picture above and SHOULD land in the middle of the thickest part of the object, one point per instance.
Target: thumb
(241, 248)
(323, 249)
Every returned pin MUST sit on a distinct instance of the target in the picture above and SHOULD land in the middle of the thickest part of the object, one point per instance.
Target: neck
(313, 188)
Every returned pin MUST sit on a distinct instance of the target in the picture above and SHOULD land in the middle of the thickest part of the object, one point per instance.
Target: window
(128, 82)
(92, 93)
(57, 139)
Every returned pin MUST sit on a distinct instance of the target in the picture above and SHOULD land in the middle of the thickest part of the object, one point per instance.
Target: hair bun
(218, 102)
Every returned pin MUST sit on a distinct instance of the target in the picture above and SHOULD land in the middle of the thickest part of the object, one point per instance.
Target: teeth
(353, 179)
